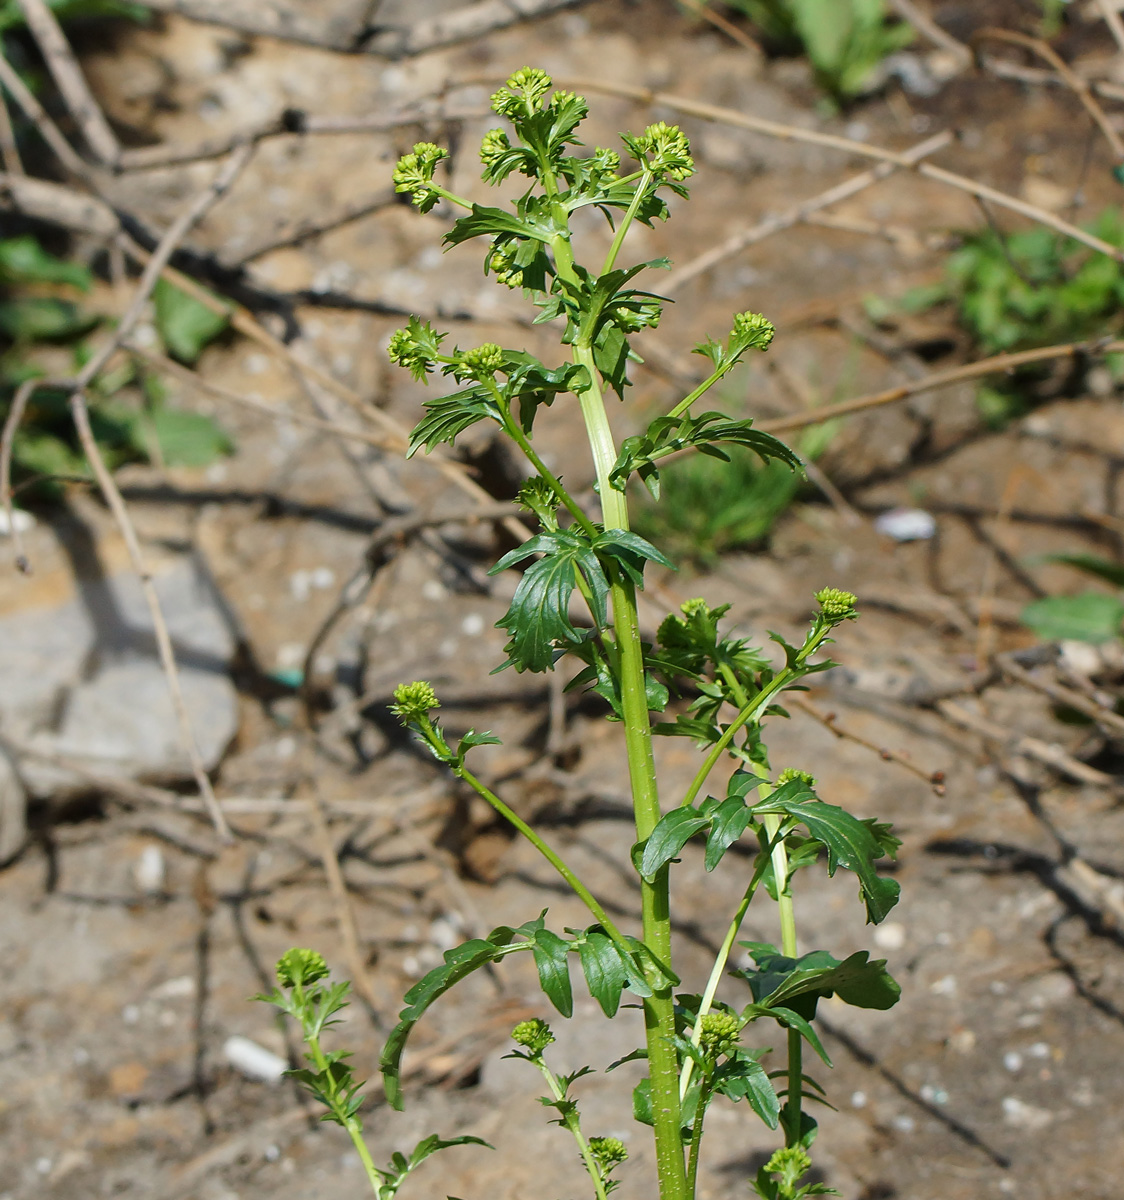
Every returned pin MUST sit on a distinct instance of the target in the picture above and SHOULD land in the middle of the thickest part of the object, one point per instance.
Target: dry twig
(729, 116)
(938, 379)
(830, 721)
(7, 440)
(1109, 720)
(70, 81)
(931, 31)
(796, 213)
(37, 115)
(1113, 20)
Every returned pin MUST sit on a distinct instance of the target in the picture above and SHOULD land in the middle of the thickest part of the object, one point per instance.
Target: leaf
(849, 842)
(1092, 564)
(856, 980)
(791, 1020)
(490, 222)
(551, 958)
(742, 1077)
(630, 551)
(538, 618)
(433, 1143)
(667, 839)
(605, 971)
(459, 962)
(185, 325)
(23, 260)
(189, 439)
(1089, 617)
(729, 821)
(450, 416)
(43, 318)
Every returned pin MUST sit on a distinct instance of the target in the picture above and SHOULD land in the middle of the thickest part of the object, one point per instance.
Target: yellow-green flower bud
(836, 604)
(791, 773)
(414, 172)
(718, 1033)
(534, 1035)
(668, 149)
(483, 360)
(790, 1162)
(414, 701)
(754, 330)
(609, 1152)
(300, 968)
(494, 146)
(524, 93)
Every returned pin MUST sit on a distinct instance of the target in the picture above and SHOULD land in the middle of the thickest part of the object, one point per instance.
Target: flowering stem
(572, 1122)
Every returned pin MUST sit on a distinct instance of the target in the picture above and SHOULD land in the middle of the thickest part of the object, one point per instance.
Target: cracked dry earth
(997, 1074)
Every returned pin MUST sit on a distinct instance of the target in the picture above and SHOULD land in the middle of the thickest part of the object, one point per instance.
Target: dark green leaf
(43, 318)
(857, 981)
(849, 843)
(185, 325)
(23, 260)
(1092, 564)
(492, 222)
(605, 973)
(433, 1143)
(791, 1020)
(670, 835)
(1089, 617)
(459, 962)
(743, 1077)
(729, 821)
(450, 416)
(551, 958)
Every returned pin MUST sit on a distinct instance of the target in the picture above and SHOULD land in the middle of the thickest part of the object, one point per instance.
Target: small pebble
(21, 521)
(252, 1060)
(907, 524)
(858, 1099)
(945, 986)
(473, 625)
(904, 1124)
(149, 872)
(890, 936)
(1013, 1061)
(130, 1014)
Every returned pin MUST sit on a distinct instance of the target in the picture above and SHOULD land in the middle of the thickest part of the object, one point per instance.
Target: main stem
(659, 1010)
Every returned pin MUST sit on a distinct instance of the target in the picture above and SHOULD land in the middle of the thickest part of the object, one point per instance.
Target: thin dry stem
(7, 441)
(938, 379)
(70, 81)
(1113, 20)
(9, 151)
(37, 115)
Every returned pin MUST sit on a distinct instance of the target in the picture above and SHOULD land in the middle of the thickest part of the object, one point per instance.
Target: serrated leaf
(433, 1143)
(729, 821)
(856, 980)
(672, 832)
(538, 618)
(551, 955)
(459, 962)
(189, 439)
(1089, 617)
(792, 1020)
(483, 221)
(185, 325)
(742, 1077)
(450, 416)
(630, 551)
(849, 843)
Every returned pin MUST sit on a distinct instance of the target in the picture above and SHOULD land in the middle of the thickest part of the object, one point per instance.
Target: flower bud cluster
(482, 362)
(414, 701)
(718, 1033)
(524, 94)
(298, 968)
(494, 146)
(534, 1035)
(753, 330)
(666, 150)
(609, 1152)
(414, 173)
(502, 265)
(791, 773)
(836, 605)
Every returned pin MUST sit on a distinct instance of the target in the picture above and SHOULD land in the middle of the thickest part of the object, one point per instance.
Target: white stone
(149, 871)
(906, 524)
(890, 936)
(252, 1060)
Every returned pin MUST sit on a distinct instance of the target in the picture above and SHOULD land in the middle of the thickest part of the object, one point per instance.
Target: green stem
(572, 1122)
(626, 221)
(583, 893)
(351, 1124)
(452, 197)
(703, 387)
(787, 914)
(696, 1139)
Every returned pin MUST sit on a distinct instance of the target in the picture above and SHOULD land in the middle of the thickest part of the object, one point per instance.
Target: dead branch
(70, 81)
(797, 213)
(9, 151)
(1048, 753)
(37, 115)
(81, 417)
(939, 379)
(58, 205)
(1113, 20)
(830, 721)
(1071, 79)
(1104, 716)
(7, 440)
(729, 116)
(702, 9)
(931, 31)
(309, 227)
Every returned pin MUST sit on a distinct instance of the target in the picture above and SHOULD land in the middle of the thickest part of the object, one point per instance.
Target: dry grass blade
(938, 379)
(1113, 20)
(1104, 716)
(703, 10)
(931, 31)
(70, 81)
(9, 151)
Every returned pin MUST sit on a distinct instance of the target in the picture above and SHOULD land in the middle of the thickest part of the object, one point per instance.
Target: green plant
(845, 40)
(716, 689)
(41, 321)
(1022, 290)
(1086, 617)
(306, 996)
